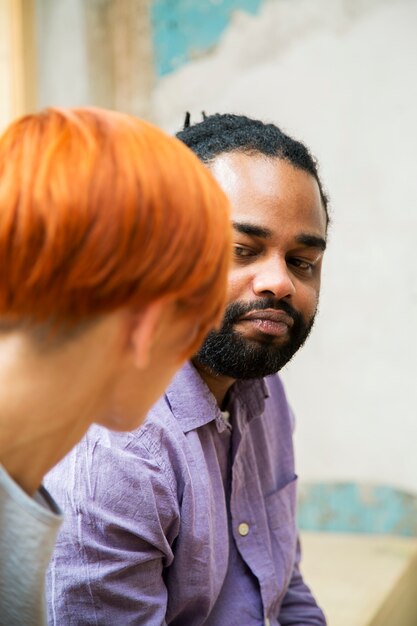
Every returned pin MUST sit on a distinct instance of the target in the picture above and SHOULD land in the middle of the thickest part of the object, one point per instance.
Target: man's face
(274, 284)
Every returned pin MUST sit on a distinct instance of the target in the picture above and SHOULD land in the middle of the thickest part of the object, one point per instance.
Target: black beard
(227, 353)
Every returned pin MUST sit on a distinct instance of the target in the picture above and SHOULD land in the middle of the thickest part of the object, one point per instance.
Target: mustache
(236, 310)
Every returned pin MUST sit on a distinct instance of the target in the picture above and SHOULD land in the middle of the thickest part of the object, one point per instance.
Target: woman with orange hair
(114, 251)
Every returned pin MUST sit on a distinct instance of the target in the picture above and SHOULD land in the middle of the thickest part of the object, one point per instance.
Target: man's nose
(274, 279)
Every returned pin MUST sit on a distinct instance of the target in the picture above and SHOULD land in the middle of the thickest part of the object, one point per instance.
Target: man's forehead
(266, 189)
(240, 168)
(261, 176)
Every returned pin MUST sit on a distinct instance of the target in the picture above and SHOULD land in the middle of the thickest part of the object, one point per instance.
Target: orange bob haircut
(100, 210)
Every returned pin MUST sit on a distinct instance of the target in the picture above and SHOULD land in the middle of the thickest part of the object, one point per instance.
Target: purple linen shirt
(184, 521)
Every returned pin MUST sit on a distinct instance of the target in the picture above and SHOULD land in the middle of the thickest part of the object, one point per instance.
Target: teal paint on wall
(185, 29)
(349, 507)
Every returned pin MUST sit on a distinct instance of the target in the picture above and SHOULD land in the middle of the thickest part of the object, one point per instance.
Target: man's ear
(144, 330)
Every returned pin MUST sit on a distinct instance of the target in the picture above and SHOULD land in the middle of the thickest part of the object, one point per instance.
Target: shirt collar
(191, 401)
(193, 405)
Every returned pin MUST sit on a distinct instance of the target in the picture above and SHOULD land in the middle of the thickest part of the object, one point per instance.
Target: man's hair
(100, 210)
(220, 133)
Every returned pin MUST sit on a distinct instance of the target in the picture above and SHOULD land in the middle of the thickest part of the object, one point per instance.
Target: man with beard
(191, 520)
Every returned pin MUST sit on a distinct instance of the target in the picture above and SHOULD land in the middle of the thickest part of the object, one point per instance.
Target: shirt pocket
(280, 508)
(280, 505)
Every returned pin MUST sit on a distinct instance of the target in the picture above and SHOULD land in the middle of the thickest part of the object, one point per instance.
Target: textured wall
(340, 75)
(348, 507)
(186, 29)
(95, 53)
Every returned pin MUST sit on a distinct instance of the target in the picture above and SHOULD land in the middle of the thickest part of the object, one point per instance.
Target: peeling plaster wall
(341, 75)
(95, 52)
(186, 29)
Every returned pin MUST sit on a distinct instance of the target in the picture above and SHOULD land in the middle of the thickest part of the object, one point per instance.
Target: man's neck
(218, 385)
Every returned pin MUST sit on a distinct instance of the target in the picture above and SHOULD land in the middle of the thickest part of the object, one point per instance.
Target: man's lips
(269, 321)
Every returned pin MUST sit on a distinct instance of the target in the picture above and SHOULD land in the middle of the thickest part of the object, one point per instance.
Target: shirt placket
(249, 530)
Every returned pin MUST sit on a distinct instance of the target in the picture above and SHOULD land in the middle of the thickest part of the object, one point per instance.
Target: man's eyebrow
(250, 229)
(312, 241)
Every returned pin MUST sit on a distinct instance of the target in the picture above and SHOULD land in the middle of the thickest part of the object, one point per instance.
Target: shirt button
(243, 529)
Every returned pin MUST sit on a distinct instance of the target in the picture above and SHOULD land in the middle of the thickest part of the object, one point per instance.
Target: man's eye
(243, 252)
(301, 264)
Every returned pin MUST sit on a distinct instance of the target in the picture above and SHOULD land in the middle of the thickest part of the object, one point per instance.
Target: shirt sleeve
(299, 607)
(108, 563)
